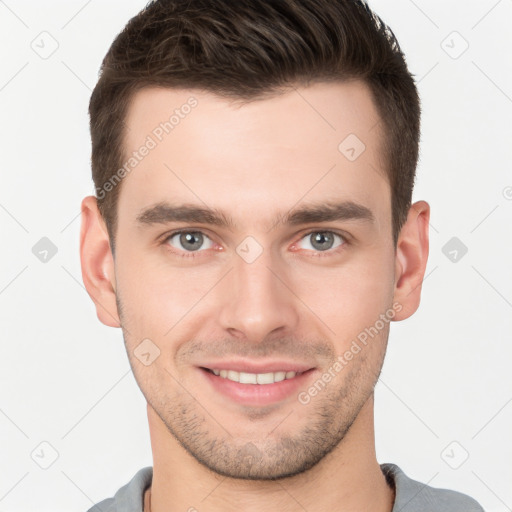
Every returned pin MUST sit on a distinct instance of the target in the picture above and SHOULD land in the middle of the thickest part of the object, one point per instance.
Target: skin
(256, 161)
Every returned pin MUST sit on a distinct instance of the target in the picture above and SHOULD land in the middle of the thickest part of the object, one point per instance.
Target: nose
(257, 301)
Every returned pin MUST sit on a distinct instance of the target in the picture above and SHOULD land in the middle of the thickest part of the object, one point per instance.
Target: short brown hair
(247, 49)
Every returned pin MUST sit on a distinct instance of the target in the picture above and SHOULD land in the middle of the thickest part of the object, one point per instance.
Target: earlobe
(411, 259)
(97, 263)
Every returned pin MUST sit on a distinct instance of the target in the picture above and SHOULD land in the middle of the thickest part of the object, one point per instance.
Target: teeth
(279, 376)
(254, 378)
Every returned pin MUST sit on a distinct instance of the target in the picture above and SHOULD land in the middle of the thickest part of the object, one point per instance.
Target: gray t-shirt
(410, 495)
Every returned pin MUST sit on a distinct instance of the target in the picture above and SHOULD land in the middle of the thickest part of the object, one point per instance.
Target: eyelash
(316, 254)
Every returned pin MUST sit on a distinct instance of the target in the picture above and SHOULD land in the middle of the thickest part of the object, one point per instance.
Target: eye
(190, 241)
(321, 241)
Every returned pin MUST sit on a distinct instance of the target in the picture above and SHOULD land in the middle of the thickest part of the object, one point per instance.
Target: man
(254, 164)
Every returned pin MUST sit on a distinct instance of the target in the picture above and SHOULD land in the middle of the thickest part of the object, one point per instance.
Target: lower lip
(257, 394)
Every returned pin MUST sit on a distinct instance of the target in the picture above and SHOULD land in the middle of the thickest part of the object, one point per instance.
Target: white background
(65, 378)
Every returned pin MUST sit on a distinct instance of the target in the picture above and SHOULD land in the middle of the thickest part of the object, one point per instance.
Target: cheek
(156, 296)
(350, 297)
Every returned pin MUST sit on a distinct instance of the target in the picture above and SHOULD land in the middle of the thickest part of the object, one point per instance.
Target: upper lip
(258, 367)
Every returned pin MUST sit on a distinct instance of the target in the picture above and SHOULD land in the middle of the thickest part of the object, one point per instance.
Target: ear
(98, 263)
(411, 259)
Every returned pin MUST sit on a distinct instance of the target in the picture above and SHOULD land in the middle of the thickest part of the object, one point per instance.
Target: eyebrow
(163, 213)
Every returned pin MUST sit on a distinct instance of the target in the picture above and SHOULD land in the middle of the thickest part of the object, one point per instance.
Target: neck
(348, 478)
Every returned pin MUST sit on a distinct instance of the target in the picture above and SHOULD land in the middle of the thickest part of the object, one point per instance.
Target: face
(255, 239)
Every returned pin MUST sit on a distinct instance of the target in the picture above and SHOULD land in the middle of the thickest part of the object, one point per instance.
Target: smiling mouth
(254, 378)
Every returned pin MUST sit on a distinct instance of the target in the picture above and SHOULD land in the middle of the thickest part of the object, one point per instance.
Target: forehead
(254, 159)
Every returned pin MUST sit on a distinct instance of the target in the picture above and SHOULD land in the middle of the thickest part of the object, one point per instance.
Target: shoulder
(128, 498)
(414, 496)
